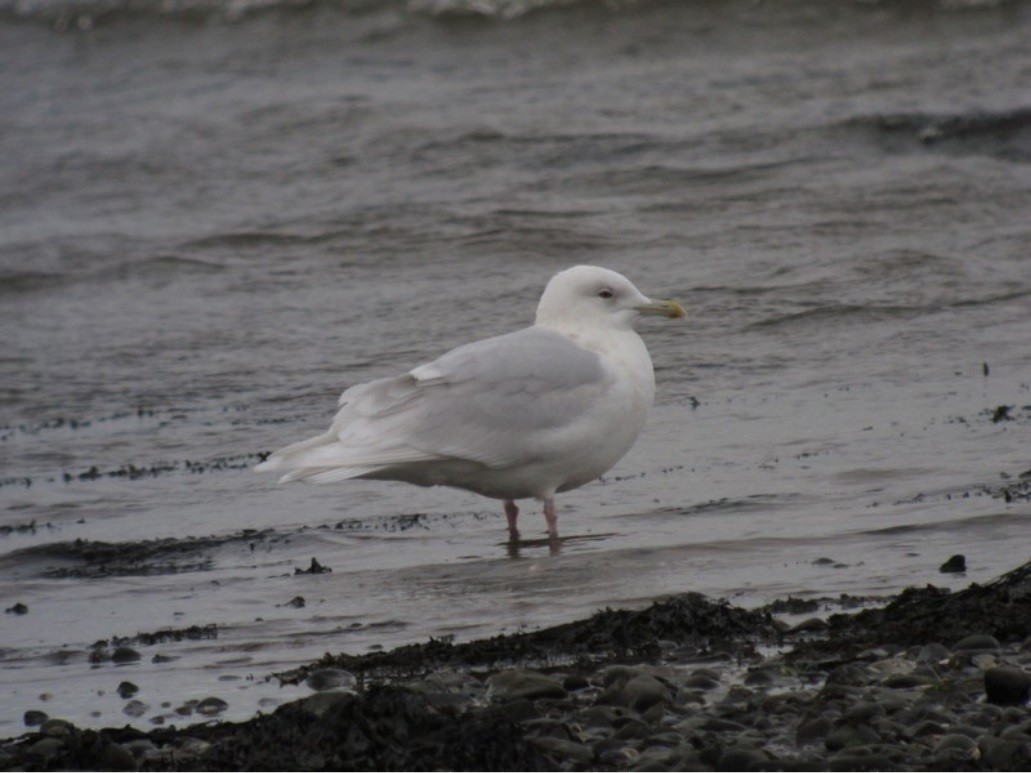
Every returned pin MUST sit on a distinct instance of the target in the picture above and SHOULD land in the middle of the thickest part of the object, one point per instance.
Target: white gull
(529, 414)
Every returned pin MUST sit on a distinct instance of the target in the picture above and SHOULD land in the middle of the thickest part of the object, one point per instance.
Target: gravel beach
(930, 680)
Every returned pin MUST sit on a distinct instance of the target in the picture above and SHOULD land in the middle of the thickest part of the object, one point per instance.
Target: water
(218, 215)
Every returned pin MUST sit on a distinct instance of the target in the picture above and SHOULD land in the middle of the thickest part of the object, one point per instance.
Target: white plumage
(528, 414)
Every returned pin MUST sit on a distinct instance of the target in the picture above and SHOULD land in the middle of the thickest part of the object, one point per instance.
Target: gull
(528, 414)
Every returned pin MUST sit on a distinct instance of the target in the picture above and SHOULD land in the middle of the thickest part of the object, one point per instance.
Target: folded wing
(500, 402)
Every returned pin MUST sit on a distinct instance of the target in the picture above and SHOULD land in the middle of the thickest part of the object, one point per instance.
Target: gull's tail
(320, 459)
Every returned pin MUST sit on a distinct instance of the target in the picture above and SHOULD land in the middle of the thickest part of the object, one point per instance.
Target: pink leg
(511, 513)
(551, 516)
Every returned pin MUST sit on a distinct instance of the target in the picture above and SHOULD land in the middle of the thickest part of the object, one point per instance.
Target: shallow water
(215, 219)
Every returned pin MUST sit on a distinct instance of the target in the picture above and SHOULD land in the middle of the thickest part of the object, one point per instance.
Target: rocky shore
(932, 680)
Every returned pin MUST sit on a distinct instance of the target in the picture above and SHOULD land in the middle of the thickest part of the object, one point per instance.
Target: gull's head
(597, 297)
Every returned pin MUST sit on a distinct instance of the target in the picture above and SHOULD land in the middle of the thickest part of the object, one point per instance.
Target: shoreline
(932, 680)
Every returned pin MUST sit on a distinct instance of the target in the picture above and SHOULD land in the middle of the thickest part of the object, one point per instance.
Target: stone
(847, 736)
(516, 710)
(932, 652)
(57, 728)
(813, 731)
(1002, 753)
(520, 684)
(127, 690)
(125, 655)
(564, 750)
(955, 565)
(114, 756)
(701, 682)
(574, 682)
(330, 679)
(976, 642)
(209, 707)
(956, 741)
(35, 718)
(321, 703)
(1007, 686)
(644, 691)
(47, 747)
(742, 759)
(135, 708)
(864, 711)
(905, 681)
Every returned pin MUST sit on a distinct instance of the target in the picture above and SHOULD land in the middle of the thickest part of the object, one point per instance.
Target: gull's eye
(606, 293)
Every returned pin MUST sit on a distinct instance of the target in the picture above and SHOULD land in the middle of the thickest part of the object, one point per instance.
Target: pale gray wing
(500, 401)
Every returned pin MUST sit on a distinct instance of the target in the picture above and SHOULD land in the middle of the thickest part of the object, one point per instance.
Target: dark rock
(850, 760)
(977, 642)
(644, 691)
(517, 710)
(864, 711)
(701, 682)
(849, 674)
(330, 679)
(57, 728)
(113, 756)
(955, 565)
(1007, 686)
(1004, 754)
(125, 655)
(135, 708)
(720, 725)
(932, 653)
(598, 717)
(847, 736)
(574, 682)
(209, 707)
(314, 568)
(905, 681)
(560, 749)
(17, 609)
(632, 728)
(48, 747)
(925, 728)
(956, 741)
(34, 718)
(742, 758)
(758, 678)
(517, 683)
(127, 690)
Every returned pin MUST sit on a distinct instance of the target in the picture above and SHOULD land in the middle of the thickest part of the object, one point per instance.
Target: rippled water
(217, 216)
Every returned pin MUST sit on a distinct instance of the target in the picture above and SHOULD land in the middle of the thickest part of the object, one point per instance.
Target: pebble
(321, 703)
(331, 679)
(57, 728)
(1007, 686)
(209, 707)
(567, 750)
(521, 684)
(135, 708)
(954, 565)
(35, 718)
(125, 655)
(127, 690)
(975, 643)
(644, 691)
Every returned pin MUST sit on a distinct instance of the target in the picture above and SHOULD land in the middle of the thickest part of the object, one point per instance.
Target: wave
(1003, 134)
(85, 14)
(17, 282)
